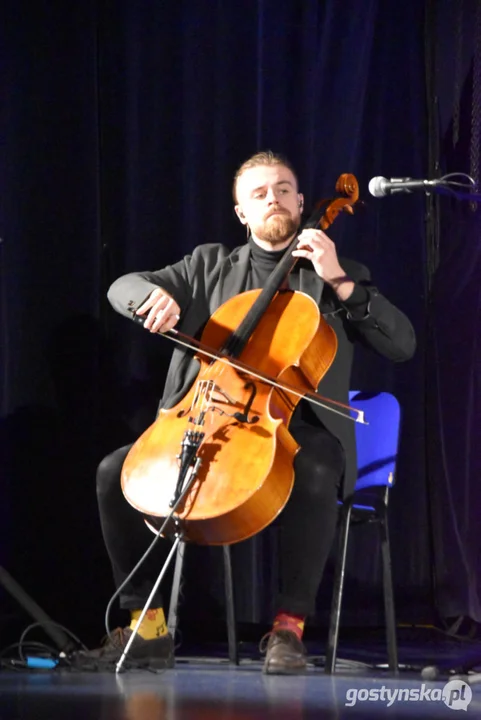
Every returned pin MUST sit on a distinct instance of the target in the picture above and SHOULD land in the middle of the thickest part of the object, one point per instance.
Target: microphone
(381, 186)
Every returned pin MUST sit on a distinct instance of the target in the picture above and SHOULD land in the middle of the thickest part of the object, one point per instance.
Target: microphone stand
(445, 186)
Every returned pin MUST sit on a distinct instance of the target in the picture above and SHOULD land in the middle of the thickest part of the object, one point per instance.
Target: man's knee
(322, 488)
(109, 470)
(317, 485)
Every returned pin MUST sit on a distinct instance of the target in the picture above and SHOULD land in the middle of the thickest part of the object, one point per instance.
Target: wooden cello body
(246, 471)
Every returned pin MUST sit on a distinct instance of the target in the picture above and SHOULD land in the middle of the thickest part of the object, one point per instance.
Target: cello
(220, 463)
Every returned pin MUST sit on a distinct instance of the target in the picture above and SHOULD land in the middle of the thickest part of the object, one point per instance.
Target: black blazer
(201, 282)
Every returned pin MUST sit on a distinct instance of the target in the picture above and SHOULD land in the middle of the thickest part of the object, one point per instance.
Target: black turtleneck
(263, 263)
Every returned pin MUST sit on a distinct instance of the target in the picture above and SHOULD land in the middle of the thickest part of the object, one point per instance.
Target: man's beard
(277, 228)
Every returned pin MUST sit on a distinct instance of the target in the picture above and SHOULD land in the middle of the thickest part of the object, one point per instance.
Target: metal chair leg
(229, 596)
(174, 594)
(388, 592)
(230, 607)
(335, 616)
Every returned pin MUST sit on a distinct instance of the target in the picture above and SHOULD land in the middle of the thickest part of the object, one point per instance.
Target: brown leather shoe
(157, 654)
(285, 653)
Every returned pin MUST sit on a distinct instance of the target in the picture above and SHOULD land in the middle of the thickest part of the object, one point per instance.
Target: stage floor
(201, 688)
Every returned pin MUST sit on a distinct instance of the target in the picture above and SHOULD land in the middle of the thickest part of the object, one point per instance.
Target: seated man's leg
(126, 535)
(307, 530)
(127, 538)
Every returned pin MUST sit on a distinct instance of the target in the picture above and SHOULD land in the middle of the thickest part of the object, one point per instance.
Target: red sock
(289, 621)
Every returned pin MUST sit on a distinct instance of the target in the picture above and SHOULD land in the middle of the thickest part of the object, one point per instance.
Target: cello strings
(204, 403)
(208, 389)
(210, 402)
(218, 372)
(202, 399)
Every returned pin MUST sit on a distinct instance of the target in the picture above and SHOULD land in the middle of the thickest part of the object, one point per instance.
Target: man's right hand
(163, 313)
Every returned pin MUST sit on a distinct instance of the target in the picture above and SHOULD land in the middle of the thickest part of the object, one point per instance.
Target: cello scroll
(348, 186)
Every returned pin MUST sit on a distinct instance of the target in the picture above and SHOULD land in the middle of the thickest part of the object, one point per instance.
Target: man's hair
(266, 157)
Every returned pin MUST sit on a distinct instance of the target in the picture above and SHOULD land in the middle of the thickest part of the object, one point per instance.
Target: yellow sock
(153, 625)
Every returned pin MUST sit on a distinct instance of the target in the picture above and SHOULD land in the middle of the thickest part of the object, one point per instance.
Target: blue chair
(377, 449)
(377, 445)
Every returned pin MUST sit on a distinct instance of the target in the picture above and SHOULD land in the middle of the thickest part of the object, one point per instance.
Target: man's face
(268, 202)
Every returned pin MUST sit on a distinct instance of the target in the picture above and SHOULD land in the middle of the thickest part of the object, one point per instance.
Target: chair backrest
(378, 442)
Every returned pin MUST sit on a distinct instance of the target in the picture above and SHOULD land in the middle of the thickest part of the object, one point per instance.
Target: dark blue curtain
(123, 126)
(454, 357)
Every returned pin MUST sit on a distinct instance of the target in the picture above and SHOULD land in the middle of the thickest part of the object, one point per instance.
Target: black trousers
(308, 524)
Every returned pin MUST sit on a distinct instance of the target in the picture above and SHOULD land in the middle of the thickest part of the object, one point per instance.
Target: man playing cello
(184, 296)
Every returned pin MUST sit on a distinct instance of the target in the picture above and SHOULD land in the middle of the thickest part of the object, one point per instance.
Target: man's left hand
(317, 247)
